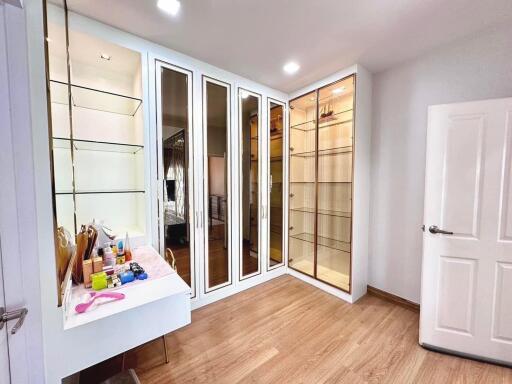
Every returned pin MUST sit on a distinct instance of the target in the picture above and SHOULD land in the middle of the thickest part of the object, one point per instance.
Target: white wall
(479, 67)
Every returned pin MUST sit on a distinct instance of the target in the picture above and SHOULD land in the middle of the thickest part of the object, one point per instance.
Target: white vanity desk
(151, 308)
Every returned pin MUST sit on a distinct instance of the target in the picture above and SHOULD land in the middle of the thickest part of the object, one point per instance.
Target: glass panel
(60, 116)
(302, 183)
(250, 133)
(217, 127)
(335, 140)
(276, 142)
(175, 152)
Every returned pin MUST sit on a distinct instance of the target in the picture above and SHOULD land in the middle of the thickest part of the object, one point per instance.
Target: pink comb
(82, 307)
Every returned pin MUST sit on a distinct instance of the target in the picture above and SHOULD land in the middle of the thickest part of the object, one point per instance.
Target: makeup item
(120, 248)
(114, 249)
(142, 276)
(136, 269)
(127, 249)
(127, 277)
(82, 307)
(88, 270)
(120, 259)
(108, 269)
(99, 281)
(97, 264)
(109, 257)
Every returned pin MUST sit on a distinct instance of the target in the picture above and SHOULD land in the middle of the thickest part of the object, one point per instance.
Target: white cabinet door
(466, 298)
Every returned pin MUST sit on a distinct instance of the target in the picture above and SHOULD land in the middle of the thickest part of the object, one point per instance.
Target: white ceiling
(255, 38)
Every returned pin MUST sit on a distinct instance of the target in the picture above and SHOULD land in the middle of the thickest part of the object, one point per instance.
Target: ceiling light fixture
(105, 56)
(291, 67)
(169, 6)
(337, 91)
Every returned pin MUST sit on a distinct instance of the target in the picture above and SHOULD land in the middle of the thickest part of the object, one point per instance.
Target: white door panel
(467, 275)
(4, 351)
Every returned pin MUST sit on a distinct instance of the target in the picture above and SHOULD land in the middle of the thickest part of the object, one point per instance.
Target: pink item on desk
(82, 307)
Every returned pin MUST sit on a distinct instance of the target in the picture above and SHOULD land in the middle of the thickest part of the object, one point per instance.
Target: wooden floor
(286, 331)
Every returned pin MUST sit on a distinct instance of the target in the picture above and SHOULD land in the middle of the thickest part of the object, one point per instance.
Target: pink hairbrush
(82, 307)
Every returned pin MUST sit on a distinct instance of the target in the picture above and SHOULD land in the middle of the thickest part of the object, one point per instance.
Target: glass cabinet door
(174, 126)
(301, 250)
(276, 167)
(334, 210)
(250, 136)
(216, 131)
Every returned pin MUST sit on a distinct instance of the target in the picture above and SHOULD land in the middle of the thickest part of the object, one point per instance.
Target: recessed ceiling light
(244, 94)
(105, 56)
(337, 91)
(312, 98)
(291, 67)
(169, 6)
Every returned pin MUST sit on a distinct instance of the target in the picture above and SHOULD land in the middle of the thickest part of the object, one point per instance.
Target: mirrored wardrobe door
(249, 125)
(175, 166)
(275, 140)
(217, 181)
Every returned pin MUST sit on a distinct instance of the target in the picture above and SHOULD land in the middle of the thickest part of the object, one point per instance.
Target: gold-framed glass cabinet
(321, 183)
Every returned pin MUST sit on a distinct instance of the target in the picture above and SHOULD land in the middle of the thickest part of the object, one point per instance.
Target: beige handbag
(64, 252)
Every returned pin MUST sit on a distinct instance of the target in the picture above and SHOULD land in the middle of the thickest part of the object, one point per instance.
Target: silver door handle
(435, 230)
(19, 314)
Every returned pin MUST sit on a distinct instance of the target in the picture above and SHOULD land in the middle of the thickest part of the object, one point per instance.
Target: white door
(4, 352)
(21, 353)
(466, 297)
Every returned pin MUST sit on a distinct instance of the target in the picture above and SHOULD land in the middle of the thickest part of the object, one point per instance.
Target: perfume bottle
(127, 249)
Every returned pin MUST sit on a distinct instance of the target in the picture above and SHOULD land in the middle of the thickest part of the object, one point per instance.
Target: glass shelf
(323, 241)
(326, 212)
(301, 125)
(325, 152)
(310, 125)
(276, 137)
(91, 145)
(89, 98)
(321, 182)
(98, 192)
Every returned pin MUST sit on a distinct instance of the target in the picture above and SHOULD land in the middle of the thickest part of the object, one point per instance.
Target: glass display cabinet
(320, 201)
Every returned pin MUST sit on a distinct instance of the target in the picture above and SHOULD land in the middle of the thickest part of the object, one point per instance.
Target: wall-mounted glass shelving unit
(97, 132)
(320, 208)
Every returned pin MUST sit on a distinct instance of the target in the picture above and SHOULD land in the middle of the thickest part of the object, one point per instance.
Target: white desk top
(164, 283)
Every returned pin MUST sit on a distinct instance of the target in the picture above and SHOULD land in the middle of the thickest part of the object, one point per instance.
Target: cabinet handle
(291, 194)
(291, 228)
(291, 149)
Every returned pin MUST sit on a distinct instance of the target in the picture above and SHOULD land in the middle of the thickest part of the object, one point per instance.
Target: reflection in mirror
(276, 143)
(216, 117)
(249, 125)
(175, 152)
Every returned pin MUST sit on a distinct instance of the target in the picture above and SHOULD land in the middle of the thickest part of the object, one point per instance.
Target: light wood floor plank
(286, 331)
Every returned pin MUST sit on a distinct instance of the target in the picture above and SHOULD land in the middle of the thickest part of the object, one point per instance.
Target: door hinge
(19, 314)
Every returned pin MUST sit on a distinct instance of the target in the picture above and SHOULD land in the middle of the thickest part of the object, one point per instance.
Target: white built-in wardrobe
(224, 175)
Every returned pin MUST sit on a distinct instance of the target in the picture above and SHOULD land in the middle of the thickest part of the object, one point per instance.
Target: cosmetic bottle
(127, 249)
